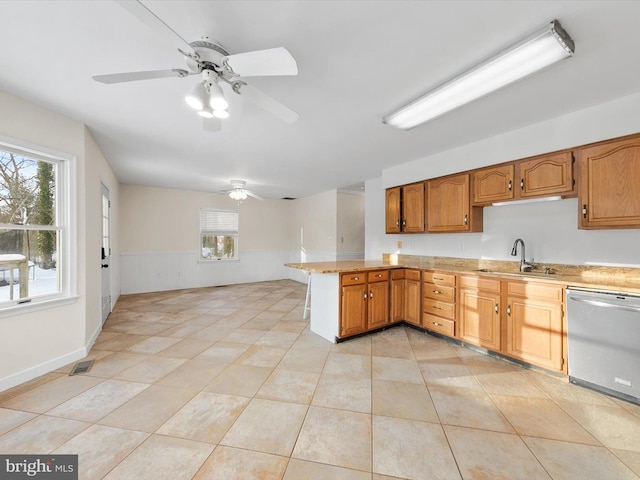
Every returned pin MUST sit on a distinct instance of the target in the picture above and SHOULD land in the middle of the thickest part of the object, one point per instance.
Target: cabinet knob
(509, 310)
(437, 324)
(437, 292)
(370, 293)
(584, 211)
(378, 275)
(496, 308)
(522, 184)
(466, 219)
(404, 223)
(365, 296)
(355, 278)
(510, 185)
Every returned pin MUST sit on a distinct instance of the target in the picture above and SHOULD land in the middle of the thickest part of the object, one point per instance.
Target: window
(218, 234)
(35, 263)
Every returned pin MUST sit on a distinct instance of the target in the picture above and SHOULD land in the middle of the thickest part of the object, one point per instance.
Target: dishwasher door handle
(598, 303)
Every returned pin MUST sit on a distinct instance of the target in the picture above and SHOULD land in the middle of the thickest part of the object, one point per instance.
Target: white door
(106, 253)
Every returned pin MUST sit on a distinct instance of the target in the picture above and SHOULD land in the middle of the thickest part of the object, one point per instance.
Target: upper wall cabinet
(449, 205)
(405, 209)
(540, 176)
(610, 184)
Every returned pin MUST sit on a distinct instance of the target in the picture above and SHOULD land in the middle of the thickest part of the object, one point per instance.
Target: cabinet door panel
(392, 212)
(448, 204)
(534, 332)
(378, 305)
(548, 175)
(412, 301)
(610, 185)
(397, 300)
(480, 318)
(493, 184)
(353, 310)
(413, 208)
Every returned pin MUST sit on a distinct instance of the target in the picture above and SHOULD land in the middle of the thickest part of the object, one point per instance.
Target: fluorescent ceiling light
(527, 200)
(539, 50)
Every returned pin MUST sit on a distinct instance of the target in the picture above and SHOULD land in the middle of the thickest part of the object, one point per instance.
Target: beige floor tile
(441, 351)
(121, 342)
(383, 347)
(114, 363)
(247, 336)
(396, 369)
(243, 380)
(561, 390)
(154, 328)
(223, 352)
(162, 458)
(411, 449)
(348, 365)
(259, 356)
(47, 396)
(336, 437)
(94, 355)
(98, 401)
(289, 386)
(334, 391)
(101, 448)
(43, 434)
(403, 400)
(182, 331)
(193, 374)
(629, 458)
(187, 348)
(449, 372)
(28, 386)
(305, 359)
(267, 426)
(509, 383)
(481, 454)
(150, 370)
(481, 364)
(308, 339)
(571, 461)
(278, 339)
(153, 345)
(353, 346)
(290, 326)
(541, 417)
(214, 333)
(206, 418)
(303, 470)
(10, 419)
(148, 410)
(614, 427)
(227, 463)
(467, 408)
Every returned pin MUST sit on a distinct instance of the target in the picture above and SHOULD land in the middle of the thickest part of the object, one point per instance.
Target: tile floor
(229, 383)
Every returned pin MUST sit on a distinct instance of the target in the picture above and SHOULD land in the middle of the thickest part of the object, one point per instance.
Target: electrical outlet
(399, 243)
(461, 247)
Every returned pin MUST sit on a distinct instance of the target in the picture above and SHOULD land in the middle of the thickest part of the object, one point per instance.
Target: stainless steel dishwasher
(603, 342)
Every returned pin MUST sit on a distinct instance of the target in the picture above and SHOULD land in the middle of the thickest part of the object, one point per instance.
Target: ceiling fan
(239, 193)
(215, 66)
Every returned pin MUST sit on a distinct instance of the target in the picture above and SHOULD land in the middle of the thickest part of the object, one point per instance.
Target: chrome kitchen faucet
(524, 265)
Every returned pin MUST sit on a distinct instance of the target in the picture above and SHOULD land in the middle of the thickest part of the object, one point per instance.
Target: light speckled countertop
(600, 278)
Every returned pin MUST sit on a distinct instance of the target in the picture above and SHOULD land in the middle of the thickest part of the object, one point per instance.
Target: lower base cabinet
(480, 312)
(364, 302)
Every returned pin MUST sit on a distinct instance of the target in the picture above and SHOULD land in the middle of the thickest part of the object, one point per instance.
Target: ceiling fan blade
(273, 61)
(212, 125)
(253, 195)
(135, 76)
(264, 101)
(147, 17)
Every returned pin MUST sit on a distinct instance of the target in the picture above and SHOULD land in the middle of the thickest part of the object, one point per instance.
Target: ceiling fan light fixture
(197, 97)
(222, 114)
(216, 97)
(238, 194)
(206, 112)
(535, 52)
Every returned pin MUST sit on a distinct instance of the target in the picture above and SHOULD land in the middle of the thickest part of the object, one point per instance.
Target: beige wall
(313, 225)
(166, 220)
(350, 232)
(37, 341)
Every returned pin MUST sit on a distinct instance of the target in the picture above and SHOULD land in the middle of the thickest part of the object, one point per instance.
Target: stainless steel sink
(519, 274)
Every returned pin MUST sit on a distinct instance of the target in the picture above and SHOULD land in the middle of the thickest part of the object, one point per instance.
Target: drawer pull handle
(466, 219)
(496, 308)
(378, 275)
(437, 308)
(438, 278)
(509, 310)
(510, 185)
(437, 292)
(355, 278)
(437, 324)
(365, 296)
(370, 293)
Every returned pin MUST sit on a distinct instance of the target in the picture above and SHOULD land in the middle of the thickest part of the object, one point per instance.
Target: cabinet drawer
(439, 278)
(437, 324)
(435, 307)
(412, 274)
(480, 283)
(380, 276)
(398, 274)
(353, 278)
(438, 292)
(535, 290)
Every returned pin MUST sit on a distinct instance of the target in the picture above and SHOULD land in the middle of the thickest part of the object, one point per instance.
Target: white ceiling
(358, 60)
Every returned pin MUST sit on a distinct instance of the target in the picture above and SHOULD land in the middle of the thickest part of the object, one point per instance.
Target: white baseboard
(41, 369)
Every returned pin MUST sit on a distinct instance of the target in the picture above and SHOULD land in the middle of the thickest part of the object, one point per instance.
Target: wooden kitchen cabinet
(449, 207)
(493, 184)
(609, 194)
(534, 324)
(405, 209)
(479, 311)
(438, 302)
(547, 175)
(364, 302)
(405, 296)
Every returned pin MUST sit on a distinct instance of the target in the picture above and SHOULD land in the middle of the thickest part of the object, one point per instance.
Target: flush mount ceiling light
(535, 52)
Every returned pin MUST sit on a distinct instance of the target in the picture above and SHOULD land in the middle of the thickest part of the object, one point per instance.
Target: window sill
(35, 306)
(221, 260)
